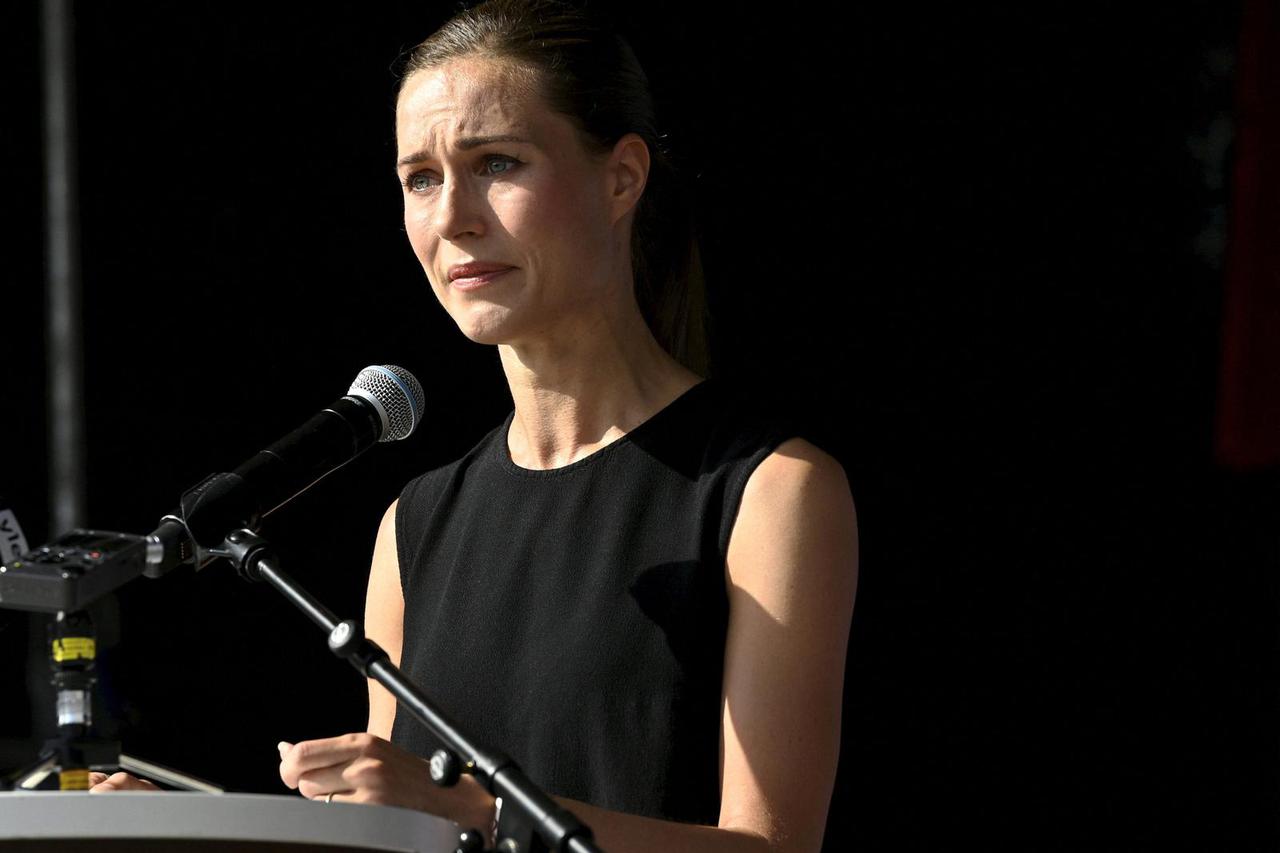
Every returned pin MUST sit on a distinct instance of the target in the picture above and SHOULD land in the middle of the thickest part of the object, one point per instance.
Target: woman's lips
(471, 282)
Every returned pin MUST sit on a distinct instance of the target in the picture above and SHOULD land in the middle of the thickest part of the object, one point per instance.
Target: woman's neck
(576, 397)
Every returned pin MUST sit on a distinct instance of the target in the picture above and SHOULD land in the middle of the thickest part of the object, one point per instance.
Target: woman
(656, 630)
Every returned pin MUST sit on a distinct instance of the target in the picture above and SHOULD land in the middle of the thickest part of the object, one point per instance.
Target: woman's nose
(459, 208)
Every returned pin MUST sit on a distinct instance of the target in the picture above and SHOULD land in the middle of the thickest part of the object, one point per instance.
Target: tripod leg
(32, 775)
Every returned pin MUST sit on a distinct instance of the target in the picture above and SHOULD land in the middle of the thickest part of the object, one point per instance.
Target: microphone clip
(244, 549)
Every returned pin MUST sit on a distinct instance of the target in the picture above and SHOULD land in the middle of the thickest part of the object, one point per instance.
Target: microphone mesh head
(397, 394)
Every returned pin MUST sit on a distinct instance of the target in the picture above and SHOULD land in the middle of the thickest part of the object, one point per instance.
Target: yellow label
(74, 648)
(74, 780)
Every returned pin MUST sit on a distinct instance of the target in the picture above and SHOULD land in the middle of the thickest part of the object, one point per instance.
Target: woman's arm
(384, 619)
(792, 574)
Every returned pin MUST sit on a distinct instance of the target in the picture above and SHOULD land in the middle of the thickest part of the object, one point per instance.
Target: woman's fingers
(315, 784)
(311, 755)
(101, 783)
(365, 768)
(356, 767)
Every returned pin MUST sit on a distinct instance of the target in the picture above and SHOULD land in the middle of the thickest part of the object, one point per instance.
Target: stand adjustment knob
(445, 768)
(470, 841)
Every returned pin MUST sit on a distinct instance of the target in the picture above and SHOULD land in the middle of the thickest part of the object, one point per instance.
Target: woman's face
(490, 174)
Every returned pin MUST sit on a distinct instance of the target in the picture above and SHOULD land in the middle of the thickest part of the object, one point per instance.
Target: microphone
(385, 403)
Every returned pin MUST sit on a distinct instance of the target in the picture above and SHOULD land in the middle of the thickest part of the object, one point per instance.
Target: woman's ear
(627, 172)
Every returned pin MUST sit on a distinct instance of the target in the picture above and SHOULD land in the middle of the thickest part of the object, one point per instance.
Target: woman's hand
(101, 783)
(364, 768)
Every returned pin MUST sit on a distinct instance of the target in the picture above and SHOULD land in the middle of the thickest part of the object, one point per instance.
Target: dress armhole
(404, 559)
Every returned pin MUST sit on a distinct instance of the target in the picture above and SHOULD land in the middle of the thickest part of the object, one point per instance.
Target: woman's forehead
(467, 98)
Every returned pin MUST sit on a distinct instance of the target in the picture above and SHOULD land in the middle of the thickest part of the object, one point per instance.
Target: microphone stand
(529, 821)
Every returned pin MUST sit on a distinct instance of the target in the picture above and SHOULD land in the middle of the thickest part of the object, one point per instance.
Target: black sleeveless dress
(574, 618)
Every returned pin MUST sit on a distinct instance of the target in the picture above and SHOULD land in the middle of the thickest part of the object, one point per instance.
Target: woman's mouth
(471, 282)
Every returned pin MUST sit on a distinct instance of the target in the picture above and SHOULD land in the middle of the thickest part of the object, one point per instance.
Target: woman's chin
(488, 334)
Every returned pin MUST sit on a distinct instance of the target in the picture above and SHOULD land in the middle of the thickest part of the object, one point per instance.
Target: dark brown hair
(586, 70)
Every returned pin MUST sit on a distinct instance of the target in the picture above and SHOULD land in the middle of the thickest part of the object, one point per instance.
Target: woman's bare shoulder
(797, 514)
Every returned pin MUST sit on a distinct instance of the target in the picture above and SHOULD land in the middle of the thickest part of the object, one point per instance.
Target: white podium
(192, 822)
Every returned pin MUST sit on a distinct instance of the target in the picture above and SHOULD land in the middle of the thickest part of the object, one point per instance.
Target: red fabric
(1248, 416)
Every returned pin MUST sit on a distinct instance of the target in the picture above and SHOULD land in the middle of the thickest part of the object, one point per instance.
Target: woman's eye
(418, 182)
(501, 159)
(414, 183)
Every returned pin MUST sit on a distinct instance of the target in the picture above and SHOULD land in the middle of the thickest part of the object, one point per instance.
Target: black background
(980, 251)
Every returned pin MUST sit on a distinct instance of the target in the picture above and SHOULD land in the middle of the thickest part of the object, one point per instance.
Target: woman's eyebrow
(466, 143)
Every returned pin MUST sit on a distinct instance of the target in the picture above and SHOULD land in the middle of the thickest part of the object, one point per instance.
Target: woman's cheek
(416, 227)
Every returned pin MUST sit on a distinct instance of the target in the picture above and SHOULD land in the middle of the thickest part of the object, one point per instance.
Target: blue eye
(502, 158)
(413, 182)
